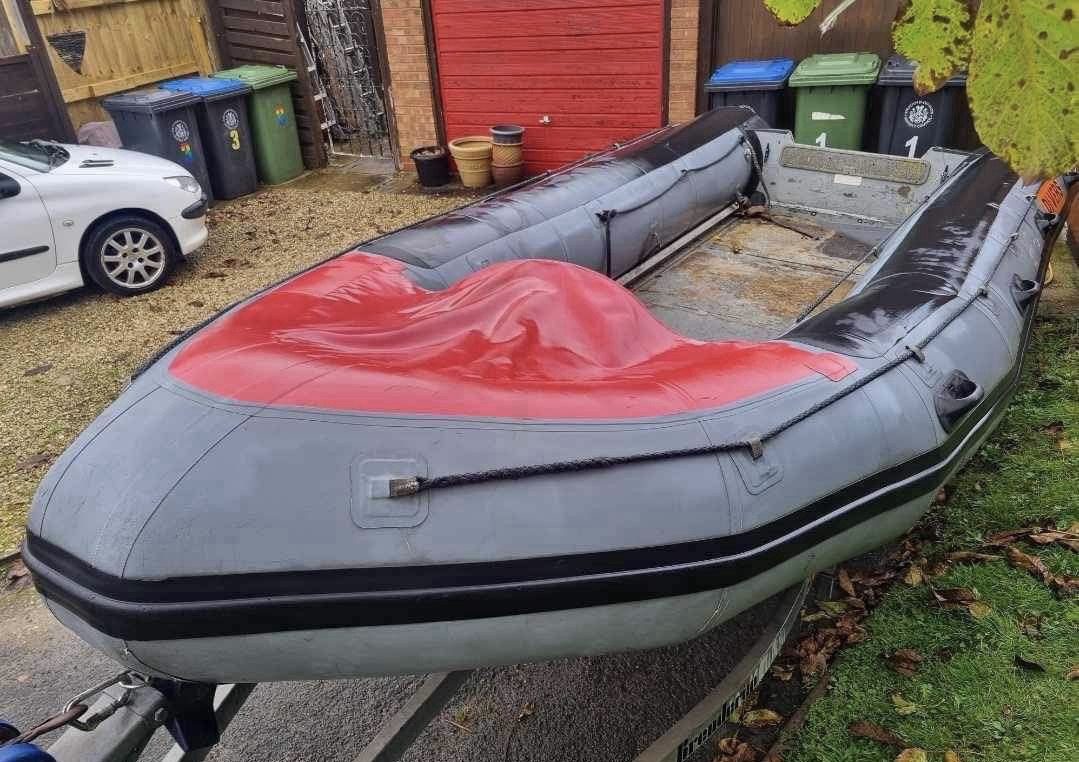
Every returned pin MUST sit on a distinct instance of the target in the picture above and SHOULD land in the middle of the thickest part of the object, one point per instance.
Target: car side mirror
(9, 186)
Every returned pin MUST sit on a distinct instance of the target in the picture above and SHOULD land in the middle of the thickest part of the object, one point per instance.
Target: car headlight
(185, 182)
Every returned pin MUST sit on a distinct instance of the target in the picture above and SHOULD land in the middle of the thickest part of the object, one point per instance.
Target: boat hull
(343, 652)
(577, 478)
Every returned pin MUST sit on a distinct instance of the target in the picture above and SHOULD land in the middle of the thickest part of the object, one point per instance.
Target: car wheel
(129, 255)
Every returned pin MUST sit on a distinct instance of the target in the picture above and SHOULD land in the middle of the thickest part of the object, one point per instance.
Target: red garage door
(577, 74)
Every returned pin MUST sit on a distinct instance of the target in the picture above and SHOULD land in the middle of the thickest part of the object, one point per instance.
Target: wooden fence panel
(264, 32)
(747, 29)
(101, 47)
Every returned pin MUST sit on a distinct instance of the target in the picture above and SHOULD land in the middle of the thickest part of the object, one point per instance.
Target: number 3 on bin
(235, 135)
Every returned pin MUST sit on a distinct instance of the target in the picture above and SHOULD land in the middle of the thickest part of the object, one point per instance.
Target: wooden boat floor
(751, 277)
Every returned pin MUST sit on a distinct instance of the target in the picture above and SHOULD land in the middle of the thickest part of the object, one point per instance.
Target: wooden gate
(265, 32)
(30, 102)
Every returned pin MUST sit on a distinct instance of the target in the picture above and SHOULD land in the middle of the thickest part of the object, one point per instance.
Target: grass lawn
(970, 695)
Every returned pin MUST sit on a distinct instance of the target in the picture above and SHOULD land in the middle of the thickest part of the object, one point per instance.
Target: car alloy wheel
(132, 258)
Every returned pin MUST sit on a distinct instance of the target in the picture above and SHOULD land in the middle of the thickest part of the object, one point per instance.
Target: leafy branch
(1023, 62)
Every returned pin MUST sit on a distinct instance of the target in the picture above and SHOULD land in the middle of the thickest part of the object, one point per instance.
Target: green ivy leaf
(1024, 70)
(936, 34)
(792, 11)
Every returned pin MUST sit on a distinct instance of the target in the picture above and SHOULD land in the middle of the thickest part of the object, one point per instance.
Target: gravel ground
(64, 359)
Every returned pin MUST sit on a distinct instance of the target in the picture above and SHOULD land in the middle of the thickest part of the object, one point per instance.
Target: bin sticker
(847, 180)
(918, 114)
(181, 133)
(824, 116)
(231, 119)
(279, 113)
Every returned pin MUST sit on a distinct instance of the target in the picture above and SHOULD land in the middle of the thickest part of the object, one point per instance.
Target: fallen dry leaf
(18, 576)
(730, 749)
(902, 705)
(1070, 543)
(1027, 562)
(951, 756)
(1066, 539)
(905, 661)
(958, 595)
(1073, 673)
(783, 672)
(761, 718)
(34, 461)
(37, 370)
(912, 755)
(1037, 568)
(835, 608)
(844, 582)
(1031, 626)
(914, 575)
(970, 557)
(1030, 664)
(1054, 429)
(874, 732)
(1011, 535)
(962, 598)
(1046, 538)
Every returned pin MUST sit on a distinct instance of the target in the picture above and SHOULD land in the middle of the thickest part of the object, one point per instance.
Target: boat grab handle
(957, 394)
(1024, 290)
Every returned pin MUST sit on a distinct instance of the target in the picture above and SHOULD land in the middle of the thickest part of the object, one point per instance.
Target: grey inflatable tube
(193, 534)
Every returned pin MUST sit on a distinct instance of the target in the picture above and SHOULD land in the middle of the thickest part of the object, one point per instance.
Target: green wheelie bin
(273, 122)
(831, 98)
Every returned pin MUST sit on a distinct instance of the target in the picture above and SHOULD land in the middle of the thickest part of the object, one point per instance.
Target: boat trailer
(128, 709)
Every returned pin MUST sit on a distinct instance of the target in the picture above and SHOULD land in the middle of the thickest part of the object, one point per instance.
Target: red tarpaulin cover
(521, 339)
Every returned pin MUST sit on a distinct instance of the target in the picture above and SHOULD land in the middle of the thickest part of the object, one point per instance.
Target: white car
(70, 215)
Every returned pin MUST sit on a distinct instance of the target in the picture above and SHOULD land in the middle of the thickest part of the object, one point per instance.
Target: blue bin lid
(207, 87)
(151, 100)
(762, 74)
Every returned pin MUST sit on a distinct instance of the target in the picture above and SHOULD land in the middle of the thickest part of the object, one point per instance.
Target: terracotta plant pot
(507, 175)
(472, 154)
(506, 155)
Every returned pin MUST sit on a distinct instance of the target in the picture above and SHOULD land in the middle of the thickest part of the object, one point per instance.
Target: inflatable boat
(465, 443)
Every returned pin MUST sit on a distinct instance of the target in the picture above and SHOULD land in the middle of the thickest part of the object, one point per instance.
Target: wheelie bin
(758, 84)
(225, 133)
(163, 123)
(273, 122)
(831, 98)
(905, 123)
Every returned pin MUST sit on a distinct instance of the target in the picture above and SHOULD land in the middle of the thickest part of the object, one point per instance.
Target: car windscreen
(36, 155)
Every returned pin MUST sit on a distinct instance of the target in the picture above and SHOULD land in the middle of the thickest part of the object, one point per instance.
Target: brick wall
(682, 72)
(410, 81)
